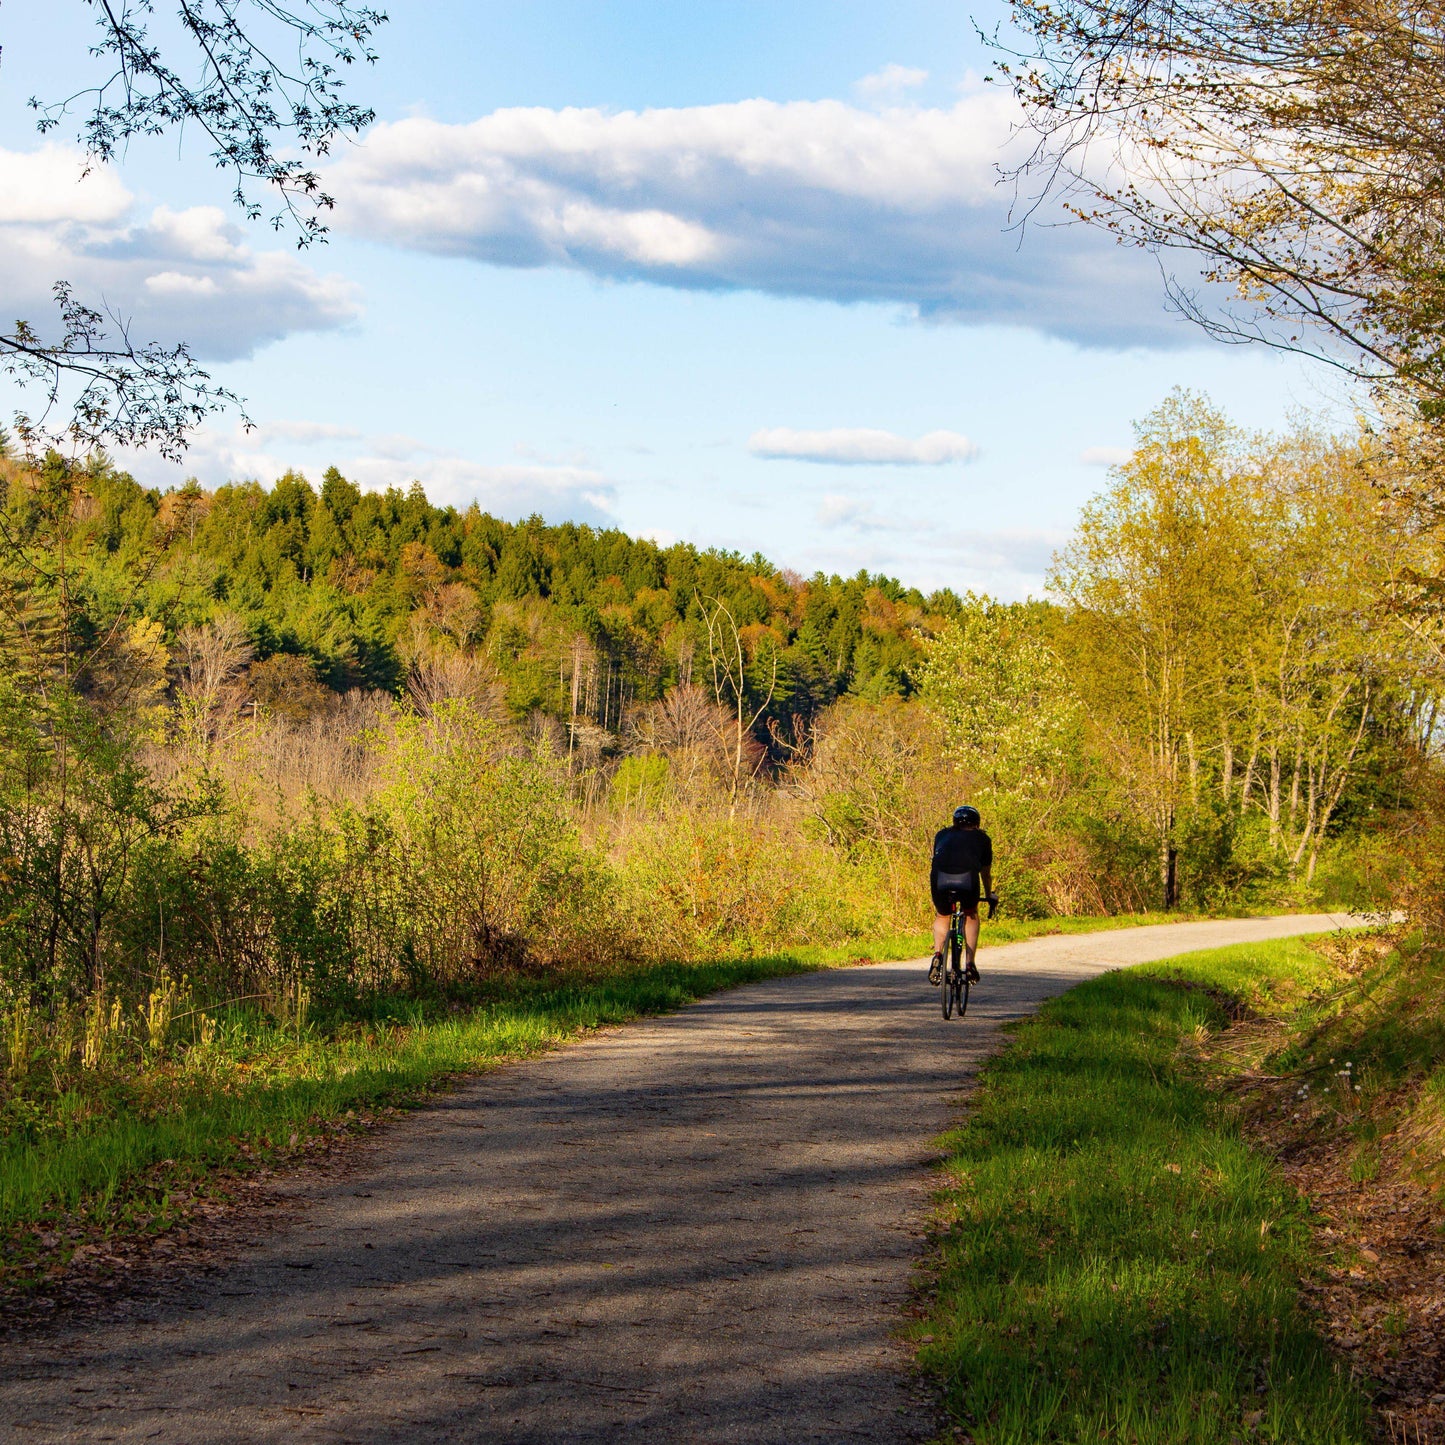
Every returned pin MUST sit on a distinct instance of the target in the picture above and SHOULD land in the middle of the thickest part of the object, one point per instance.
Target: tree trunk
(1273, 796)
(572, 726)
(1247, 784)
(1309, 828)
(1294, 784)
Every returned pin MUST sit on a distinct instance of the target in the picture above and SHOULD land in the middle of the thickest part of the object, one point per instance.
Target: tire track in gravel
(694, 1228)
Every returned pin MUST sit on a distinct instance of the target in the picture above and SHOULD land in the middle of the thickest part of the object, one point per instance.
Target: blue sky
(733, 273)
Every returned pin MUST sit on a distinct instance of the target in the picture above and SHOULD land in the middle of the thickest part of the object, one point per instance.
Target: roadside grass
(124, 1148)
(1115, 1263)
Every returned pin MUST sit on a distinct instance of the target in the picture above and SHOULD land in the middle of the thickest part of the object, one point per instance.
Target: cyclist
(961, 872)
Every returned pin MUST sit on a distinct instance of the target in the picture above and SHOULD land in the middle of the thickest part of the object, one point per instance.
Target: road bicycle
(955, 976)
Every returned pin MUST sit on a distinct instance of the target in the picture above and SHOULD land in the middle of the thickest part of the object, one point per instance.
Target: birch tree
(1150, 581)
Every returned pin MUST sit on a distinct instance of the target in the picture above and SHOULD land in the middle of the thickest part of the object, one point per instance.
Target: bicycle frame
(955, 980)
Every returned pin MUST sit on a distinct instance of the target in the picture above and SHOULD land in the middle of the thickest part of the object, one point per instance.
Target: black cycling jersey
(961, 850)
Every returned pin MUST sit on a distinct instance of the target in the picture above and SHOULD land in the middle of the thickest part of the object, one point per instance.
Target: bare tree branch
(1296, 146)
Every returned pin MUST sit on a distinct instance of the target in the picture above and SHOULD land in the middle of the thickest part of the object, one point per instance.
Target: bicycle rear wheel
(963, 996)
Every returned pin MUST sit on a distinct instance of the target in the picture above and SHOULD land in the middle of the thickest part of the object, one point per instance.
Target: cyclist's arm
(987, 875)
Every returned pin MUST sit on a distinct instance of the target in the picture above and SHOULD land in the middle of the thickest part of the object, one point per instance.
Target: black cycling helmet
(966, 817)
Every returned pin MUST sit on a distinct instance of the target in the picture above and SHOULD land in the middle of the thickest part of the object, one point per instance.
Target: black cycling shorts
(945, 898)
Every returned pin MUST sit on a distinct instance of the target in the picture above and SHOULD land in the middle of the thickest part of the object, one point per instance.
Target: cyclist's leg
(970, 937)
(940, 931)
(942, 907)
(940, 942)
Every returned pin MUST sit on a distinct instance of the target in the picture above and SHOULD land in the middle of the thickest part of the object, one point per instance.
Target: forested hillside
(365, 587)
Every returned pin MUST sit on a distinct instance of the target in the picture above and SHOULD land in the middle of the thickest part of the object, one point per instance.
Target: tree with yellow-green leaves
(1228, 633)
(1008, 710)
(1155, 597)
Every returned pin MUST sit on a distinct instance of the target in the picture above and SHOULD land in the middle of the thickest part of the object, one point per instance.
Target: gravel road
(694, 1228)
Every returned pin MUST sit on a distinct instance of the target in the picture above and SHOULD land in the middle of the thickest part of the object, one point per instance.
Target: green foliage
(357, 583)
(1008, 707)
(79, 817)
(474, 856)
(640, 781)
(1229, 632)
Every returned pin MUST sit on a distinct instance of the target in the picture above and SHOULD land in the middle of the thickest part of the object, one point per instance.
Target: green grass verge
(1115, 1262)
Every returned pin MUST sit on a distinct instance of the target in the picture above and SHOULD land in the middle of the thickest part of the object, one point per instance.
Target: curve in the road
(697, 1227)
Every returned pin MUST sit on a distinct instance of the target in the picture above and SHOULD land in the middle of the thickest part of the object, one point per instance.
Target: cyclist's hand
(992, 901)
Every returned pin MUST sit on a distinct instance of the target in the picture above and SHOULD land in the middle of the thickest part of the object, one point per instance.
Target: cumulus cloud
(511, 490)
(171, 275)
(804, 198)
(891, 79)
(862, 446)
(1105, 456)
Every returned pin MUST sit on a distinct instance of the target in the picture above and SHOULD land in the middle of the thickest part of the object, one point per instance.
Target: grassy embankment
(123, 1146)
(1116, 1262)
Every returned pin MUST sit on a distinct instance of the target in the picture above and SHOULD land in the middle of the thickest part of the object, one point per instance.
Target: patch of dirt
(1234, 1008)
(1381, 1296)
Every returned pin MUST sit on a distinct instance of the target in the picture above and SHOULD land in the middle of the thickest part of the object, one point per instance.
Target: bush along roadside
(1114, 1261)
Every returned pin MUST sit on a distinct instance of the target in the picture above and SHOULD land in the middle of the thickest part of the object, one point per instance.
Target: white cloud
(399, 447)
(804, 198)
(171, 275)
(858, 446)
(1105, 456)
(890, 79)
(177, 283)
(304, 433)
(48, 186)
(376, 463)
